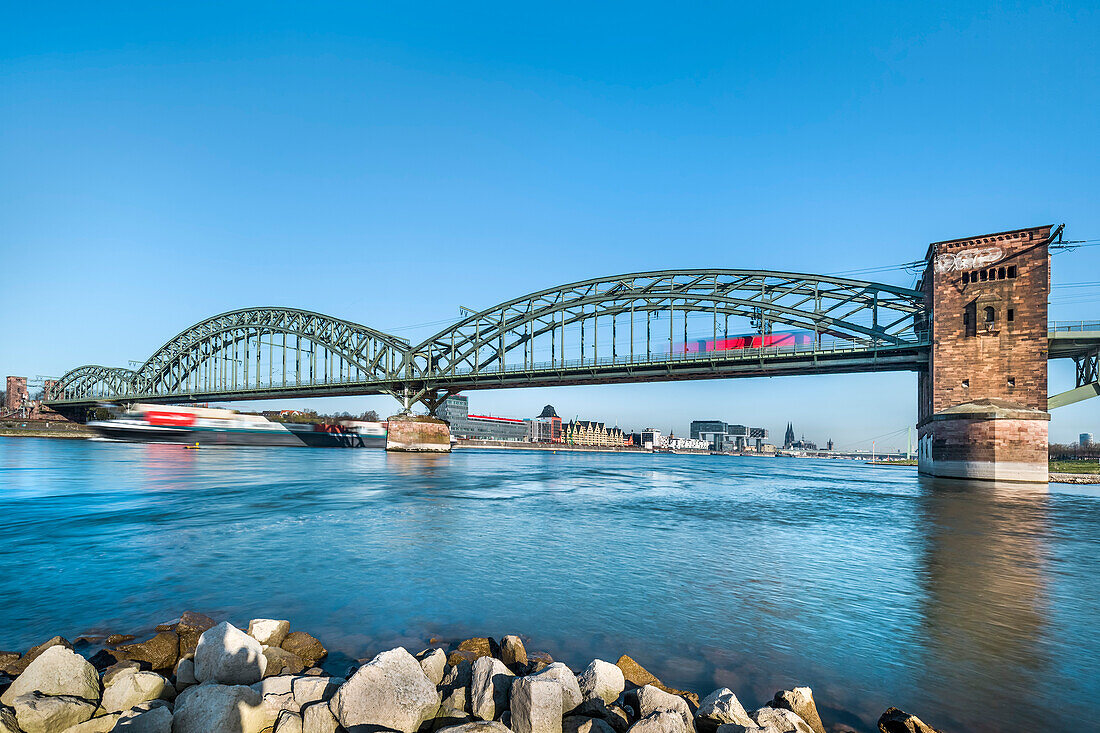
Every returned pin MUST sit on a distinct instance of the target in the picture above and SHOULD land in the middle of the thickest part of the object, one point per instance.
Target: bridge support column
(417, 434)
(983, 398)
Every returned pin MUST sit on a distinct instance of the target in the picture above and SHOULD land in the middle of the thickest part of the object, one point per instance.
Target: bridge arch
(90, 382)
(226, 351)
(866, 314)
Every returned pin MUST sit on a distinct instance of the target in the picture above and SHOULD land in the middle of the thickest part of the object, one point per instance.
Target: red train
(749, 341)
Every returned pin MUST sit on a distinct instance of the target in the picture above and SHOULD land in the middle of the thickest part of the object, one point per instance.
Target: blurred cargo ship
(214, 426)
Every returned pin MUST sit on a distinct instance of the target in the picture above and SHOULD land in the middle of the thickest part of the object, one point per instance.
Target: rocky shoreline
(199, 676)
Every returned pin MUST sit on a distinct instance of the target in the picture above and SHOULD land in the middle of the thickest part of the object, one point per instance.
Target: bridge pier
(983, 397)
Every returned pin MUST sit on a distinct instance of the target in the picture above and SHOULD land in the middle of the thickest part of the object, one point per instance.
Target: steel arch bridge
(648, 326)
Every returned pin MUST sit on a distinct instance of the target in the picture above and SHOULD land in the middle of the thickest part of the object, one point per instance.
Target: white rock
(571, 695)
(774, 720)
(154, 720)
(212, 708)
(56, 671)
(276, 695)
(39, 713)
(603, 680)
(317, 718)
(434, 664)
(800, 701)
(718, 708)
(102, 724)
(660, 721)
(314, 689)
(268, 631)
(455, 689)
(536, 705)
(131, 688)
(288, 722)
(390, 691)
(185, 674)
(227, 655)
(651, 700)
(490, 685)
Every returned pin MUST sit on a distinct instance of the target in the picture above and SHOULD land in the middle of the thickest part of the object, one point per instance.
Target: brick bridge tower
(982, 411)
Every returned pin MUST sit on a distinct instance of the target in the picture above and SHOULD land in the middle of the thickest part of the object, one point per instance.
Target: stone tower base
(988, 440)
(416, 434)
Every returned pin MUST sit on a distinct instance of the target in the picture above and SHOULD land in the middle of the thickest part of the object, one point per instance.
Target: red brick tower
(983, 400)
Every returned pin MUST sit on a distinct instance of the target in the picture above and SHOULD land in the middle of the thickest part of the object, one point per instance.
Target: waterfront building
(1085, 440)
(729, 437)
(589, 432)
(455, 411)
(546, 428)
(675, 443)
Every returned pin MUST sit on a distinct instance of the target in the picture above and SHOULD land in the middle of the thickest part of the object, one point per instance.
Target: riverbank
(196, 675)
(465, 443)
(69, 432)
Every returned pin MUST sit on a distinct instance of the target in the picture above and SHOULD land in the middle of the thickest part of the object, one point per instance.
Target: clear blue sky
(386, 165)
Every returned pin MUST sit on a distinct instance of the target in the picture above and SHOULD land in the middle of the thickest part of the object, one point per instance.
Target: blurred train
(749, 341)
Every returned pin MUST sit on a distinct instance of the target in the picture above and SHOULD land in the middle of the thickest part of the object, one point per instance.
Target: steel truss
(631, 327)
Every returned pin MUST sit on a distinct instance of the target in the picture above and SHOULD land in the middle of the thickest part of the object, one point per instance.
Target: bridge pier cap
(982, 400)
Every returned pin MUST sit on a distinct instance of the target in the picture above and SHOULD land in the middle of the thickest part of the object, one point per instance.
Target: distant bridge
(651, 326)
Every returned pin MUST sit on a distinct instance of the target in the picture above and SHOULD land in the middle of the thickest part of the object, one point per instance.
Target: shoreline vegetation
(196, 675)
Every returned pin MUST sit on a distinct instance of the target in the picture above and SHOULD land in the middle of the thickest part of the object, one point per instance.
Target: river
(973, 607)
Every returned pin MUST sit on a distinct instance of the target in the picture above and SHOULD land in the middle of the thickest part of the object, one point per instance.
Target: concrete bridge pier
(983, 397)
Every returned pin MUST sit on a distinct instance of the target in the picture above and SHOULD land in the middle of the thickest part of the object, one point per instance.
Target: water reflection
(984, 566)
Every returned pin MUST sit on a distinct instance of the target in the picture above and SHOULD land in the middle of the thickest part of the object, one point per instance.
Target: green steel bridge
(650, 326)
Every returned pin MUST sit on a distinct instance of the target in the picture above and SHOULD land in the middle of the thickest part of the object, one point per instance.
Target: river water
(974, 607)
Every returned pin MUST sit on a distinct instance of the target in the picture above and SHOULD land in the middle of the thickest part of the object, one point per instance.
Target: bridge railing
(1070, 326)
(746, 354)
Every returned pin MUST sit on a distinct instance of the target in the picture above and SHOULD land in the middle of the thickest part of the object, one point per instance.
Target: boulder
(36, 712)
(227, 655)
(536, 705)
(603, 680)
(490, 686)
(15, 667)
(482, 646)
(306, 690)
(613, 715)
(161, 652)
(133, 688)
(478, 726)
(305, 646)
(7, 658)
(145, 720)
(899, 721)
(276, 695)
(456, 658)
(280, 661)
(189, 628)
(318, 718)
(580, 724)
(102, 724)
(513, 653)
(538, 661)
(212, 708)
(116, 639)
(268, 631)
(57, 670)
(660, 721)
(651, 700)
(390, 691)
(185, 674)
(570, 689)
(635, 673)
(434, 664)
(779, 720)
(288, 722)
(800, 701)
(455, 691)
(118, 668)
(718, 708)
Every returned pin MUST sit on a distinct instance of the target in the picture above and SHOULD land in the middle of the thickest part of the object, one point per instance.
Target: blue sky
(387, 164)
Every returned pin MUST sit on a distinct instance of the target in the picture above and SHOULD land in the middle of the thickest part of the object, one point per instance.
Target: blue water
(972, 607)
